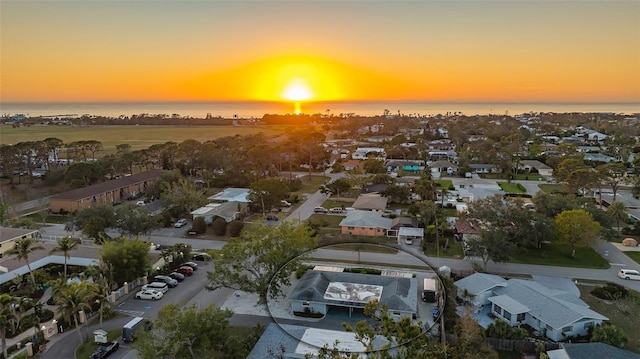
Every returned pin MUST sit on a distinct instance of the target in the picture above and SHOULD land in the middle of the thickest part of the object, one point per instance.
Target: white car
(629, 274)
(180, 223)
(140, 203)
(149, 294)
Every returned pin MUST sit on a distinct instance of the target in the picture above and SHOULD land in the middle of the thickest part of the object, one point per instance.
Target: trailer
(430, 290)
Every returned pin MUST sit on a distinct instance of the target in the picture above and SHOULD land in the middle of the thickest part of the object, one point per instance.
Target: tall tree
(261, 260)
(183, 195)
(73, 298)
(267, 193)
(577, 228)
(65, 245)
(134, 220)
(619, 212)
(22, 249)
(613, 175)
(127, 259)
(470, 340)
(94, 221)
(6, 316)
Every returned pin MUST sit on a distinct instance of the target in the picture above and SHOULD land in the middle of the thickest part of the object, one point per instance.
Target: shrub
(611, 291)
(235, 227)
(199, 225)
(219, 226)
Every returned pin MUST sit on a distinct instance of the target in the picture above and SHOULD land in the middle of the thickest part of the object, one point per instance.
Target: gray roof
(232, 194)
(554, 307)
(478, 283)
(595, 350)
(370, 202)
(535, 164)
(366, 219)
(506, 302)
(7, 234)
(397, 293)
(565, 284)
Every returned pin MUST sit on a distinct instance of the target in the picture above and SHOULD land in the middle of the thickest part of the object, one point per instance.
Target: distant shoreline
(254, 109)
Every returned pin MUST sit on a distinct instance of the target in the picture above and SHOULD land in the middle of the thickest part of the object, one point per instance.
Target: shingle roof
(366, 219)
(478, 283)
(108, 186)
(556, 308)
(397, 293)
(370, 202)
(7, 234)
(232, 194)
(596, 351)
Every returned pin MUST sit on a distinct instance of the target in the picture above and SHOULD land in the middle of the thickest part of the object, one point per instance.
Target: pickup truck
(104, 350)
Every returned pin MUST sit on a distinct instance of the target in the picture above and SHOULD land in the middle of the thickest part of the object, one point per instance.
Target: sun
(297, 90)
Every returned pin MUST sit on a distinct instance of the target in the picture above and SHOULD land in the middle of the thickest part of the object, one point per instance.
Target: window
(567, 329)
(521, 317)
(588, 325)
(350, 228)
(497, 309)
(506, 315)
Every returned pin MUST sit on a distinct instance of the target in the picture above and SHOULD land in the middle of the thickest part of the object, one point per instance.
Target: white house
(226, 210)
(553, 309)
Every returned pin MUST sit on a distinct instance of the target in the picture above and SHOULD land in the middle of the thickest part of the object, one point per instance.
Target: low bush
(235, 227)
(611, 291)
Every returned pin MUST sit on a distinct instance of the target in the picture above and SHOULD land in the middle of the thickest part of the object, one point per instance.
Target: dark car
(193, 265)
(185, 270)
(201, 257)
(171, 282)
(106, 349)
(272, 217)
(177, 276)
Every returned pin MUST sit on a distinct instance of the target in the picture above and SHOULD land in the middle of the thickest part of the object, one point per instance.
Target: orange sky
(344, 50)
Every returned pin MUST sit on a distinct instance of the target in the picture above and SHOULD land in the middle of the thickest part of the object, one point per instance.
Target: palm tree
(75, 297)
(618, 211)
(21, 250)
(65, 245)
(102, 283)
(6, 318)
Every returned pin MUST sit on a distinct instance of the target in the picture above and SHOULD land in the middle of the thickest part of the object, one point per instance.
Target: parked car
(185, 270)
(272, 217)
(629, 274)
(172, 283)
(149, 294)
(177, 276)
(336, 210)
(159, 286)
(285, 203)
(180, 223)
(105, 349)
(140, 203)
(320, 210)
(193, 265)
(191, 231)
(201, 257)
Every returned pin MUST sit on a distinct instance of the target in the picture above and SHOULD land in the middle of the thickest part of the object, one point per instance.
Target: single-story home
(9, 236)
(319, 291)
(108, 192)
(227, 210)
(405, 165)
(351, 165)
(556, 313)
(542, 169)
(370, 202)
(363, 153)
(595, 350)
(231, 195)
(484, 168)
(444, 167)
(467, 230)
(365, 223)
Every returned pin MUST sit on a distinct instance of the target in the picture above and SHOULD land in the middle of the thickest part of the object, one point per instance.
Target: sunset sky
(320, 50)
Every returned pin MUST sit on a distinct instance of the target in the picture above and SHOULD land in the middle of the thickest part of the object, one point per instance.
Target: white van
(629, 274)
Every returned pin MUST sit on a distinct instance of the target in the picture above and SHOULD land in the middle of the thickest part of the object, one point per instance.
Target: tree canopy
(577, 228)
(125, 259)
(261, 260)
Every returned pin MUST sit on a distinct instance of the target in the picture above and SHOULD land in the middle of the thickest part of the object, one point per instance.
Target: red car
(185, 270)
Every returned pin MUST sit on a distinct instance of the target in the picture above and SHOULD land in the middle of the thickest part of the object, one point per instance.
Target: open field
(512, 187)
(138, 137)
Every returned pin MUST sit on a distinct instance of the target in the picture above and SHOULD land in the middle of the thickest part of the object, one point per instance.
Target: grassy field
(512, 187)
(138, 137)
(446, 184)
(624, 314)
(633, 255)
(557, 254)
(551, 188)
(311, 186)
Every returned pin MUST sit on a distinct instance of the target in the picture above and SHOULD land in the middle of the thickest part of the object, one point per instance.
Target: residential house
(597, 157)
(558, 314)
(365, 223)
(595, 350)
(444, 167)
(8, 237)
(543, 170)
(467, 230)
(104, 193)
(226, 210)
(351, 165)
(363, 153)
(413, 166)
(232, 195)
(484, 168)
(442, 155)
(370, 202)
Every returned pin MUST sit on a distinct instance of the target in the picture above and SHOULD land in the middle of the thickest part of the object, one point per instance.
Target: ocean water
(258, 109)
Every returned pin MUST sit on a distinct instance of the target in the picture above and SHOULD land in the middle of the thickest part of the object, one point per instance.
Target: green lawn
(454, 250)
(552, 188)
(633, 255)
(330, 203)
(512, 187)
(556, 254)
(88, 347)
(311, 186)
(446, 184)
(624, 314)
